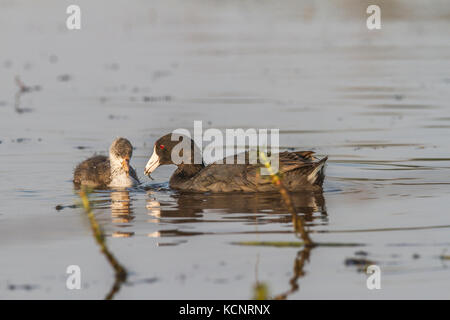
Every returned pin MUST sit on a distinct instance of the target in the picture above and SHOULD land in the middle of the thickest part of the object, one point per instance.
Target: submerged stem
(119, 270)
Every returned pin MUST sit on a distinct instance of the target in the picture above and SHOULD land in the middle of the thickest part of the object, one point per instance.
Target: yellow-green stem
(297, 220)
(120, 272)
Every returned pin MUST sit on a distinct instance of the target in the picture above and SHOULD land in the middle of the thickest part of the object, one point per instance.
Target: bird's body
(113, 171)
(299, 171)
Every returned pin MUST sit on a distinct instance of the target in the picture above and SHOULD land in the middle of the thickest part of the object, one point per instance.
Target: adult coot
(299, 171)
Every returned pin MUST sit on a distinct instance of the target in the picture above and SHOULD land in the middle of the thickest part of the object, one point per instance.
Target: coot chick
(113, 171)
(300, 171)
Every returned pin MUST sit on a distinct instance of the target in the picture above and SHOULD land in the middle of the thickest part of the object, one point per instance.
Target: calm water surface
(376, 102)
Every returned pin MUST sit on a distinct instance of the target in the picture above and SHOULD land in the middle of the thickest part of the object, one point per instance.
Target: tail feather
(317, 174)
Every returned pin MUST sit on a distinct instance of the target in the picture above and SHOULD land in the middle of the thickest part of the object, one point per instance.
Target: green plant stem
(119, 270)
(297, 221)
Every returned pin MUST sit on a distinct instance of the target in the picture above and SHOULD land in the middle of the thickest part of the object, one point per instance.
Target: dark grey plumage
(299, 170)
(95, 171)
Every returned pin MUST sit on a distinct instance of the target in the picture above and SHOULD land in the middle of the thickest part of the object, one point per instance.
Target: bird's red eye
(162, 146)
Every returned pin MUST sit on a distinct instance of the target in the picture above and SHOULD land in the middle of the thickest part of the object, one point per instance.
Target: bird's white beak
(152, 163)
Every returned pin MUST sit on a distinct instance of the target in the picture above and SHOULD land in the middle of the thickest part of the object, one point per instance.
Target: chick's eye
(162, 146)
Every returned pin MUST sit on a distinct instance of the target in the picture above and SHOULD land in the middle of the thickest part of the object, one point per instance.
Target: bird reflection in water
(191, 207)
(254, 208)
(121, 212)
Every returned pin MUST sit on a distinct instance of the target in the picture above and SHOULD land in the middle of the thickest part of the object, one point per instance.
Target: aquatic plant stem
(297, 221)
(120, 272)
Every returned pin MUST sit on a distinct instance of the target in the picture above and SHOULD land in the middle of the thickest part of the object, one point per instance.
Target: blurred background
(375, 101)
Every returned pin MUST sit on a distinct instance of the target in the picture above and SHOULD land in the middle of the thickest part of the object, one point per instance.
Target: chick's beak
(126, 166)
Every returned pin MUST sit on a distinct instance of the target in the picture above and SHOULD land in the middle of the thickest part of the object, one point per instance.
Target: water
(375, 102)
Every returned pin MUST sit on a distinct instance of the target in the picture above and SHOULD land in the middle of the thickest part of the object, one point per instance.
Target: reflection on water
(177, 209)
(299, 263)
(98, 234)
(121, 212)
(192, 205)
